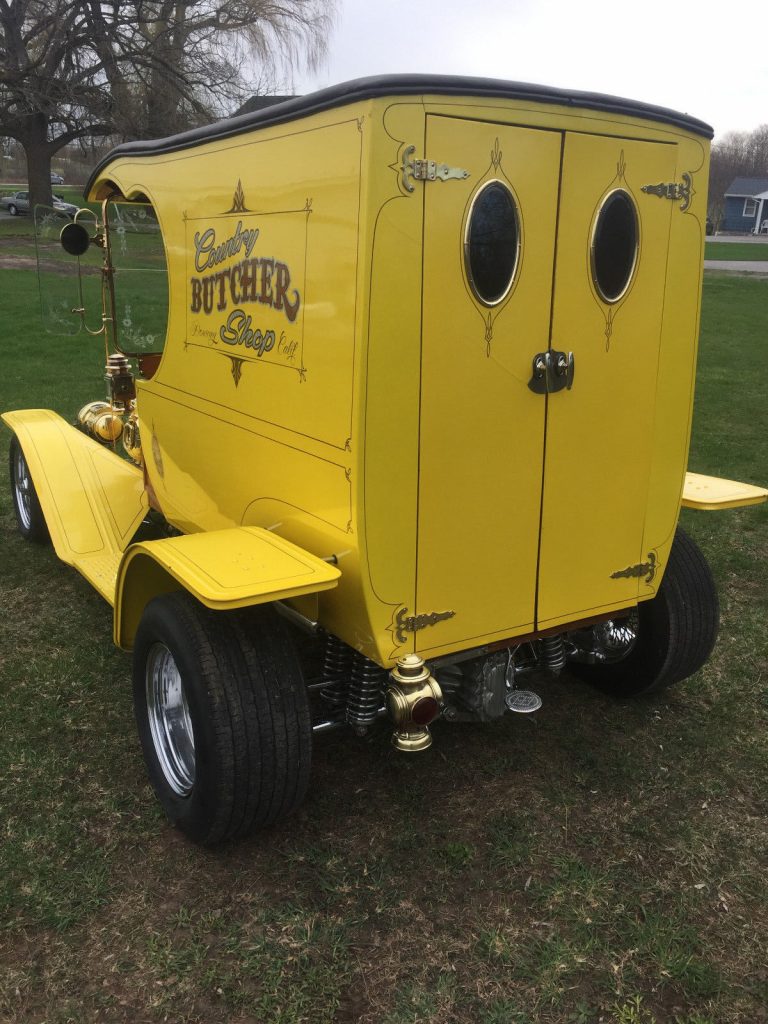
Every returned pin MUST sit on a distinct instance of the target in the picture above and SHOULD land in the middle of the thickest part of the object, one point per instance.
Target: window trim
(753, 211)
(518, 244)
(635, 259)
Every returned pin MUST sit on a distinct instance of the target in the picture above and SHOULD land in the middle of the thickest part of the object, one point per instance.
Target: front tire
(12, 210)
(26, 504)
(223, 716)
(665, 639)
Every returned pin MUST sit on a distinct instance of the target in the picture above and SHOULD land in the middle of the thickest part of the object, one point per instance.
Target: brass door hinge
(405, 623)
(427, 170)
(681, 192)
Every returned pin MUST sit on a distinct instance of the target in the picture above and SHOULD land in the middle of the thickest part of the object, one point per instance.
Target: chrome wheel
(614, 639)
(605, 643)
(22, 487)
(169, 721)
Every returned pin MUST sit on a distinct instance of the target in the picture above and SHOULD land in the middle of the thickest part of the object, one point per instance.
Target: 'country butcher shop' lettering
(255, 279)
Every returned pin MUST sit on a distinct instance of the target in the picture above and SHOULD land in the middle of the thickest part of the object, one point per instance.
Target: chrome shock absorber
(552, 649)
(366, 693)
(337, 671)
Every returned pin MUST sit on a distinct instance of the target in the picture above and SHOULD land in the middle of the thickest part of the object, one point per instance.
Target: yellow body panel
(223, 569)
(93, 500)
(712, 492)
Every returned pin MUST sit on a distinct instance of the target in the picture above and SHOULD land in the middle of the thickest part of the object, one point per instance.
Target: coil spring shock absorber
(552, 650)
(337, 671)
(365, 694)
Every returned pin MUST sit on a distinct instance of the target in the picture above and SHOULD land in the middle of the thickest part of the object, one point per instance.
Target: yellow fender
(223, 569)
(92, 499)
(94, 502)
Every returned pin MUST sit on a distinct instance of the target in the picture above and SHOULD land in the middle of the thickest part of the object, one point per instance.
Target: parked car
(56, 179)
(356, 477)
(18, 203)
(64, 207)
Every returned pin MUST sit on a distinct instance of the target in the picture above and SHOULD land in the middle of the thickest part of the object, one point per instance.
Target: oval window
(615, 243)
(492, 243)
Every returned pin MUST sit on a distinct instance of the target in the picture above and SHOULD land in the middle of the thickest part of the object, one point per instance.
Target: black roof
(259, 102)
(400, 85)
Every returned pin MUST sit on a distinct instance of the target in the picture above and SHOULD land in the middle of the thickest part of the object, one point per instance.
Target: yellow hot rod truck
(399, 389)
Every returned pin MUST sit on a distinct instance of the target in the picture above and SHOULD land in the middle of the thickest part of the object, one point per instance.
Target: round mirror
(615, 244)
(492, 243)
(74, 239)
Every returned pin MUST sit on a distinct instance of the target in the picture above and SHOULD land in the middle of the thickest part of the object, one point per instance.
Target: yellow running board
(92, 499)
(712, 492)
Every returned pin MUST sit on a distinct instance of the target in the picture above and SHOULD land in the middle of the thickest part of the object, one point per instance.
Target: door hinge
(674, 190)
(405, 623)
(427, 170)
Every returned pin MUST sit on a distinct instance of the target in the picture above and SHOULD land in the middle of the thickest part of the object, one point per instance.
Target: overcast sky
(693, 57)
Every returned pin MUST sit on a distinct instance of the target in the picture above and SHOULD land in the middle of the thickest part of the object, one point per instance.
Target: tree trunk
(38, 152)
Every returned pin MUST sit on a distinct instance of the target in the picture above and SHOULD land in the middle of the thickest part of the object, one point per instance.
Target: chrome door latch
(427, 170)
(552, 371)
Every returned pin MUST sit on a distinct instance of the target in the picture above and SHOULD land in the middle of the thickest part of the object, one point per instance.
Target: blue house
(746, 206)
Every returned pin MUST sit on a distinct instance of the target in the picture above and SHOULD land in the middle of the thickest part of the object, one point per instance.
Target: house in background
(746, 206)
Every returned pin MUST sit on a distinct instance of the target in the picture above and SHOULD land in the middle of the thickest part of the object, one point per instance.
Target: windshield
(140, 277)
(70, 286)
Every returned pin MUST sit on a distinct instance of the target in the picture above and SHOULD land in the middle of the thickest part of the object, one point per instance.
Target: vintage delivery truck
(399, 389)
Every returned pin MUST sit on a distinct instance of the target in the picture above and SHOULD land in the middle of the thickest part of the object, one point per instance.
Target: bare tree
(73, 69)
(738, 154)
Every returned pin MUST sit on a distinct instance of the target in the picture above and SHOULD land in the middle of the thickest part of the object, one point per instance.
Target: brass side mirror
(74, 239)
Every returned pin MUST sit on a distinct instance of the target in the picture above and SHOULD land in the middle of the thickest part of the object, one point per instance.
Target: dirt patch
(18, 262)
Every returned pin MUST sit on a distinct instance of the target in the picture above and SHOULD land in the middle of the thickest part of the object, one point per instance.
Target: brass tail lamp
(413, 701)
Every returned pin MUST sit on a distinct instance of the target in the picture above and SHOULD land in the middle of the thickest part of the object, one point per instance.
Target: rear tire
(675, 632)
(223, 716)
(29, 515)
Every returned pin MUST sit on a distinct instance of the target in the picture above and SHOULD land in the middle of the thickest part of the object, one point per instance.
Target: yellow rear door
(608, 309)
(498, 554)
(482, 428)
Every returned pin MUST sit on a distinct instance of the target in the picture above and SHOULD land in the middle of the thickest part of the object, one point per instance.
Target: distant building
(746, 206)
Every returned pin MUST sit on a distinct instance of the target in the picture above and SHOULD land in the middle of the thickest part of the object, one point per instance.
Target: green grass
(736, 251)
(601, 861)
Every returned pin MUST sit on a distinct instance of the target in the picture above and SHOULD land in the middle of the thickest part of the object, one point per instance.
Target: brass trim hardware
(646, 569)
(426, 170)
(100, 421)
(552, 371)
(405, 623)
(682, 191)
(132, 439)
(414, 700)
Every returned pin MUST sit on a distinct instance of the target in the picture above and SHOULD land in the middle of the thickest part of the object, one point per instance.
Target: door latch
(552, 371)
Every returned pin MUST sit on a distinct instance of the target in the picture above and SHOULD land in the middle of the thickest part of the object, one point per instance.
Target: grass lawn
(734, 251)
(600, 861)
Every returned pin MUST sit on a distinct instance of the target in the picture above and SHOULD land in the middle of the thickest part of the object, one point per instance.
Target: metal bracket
(646, 569)
(427, 170)
(406, 623)
(682, 191)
